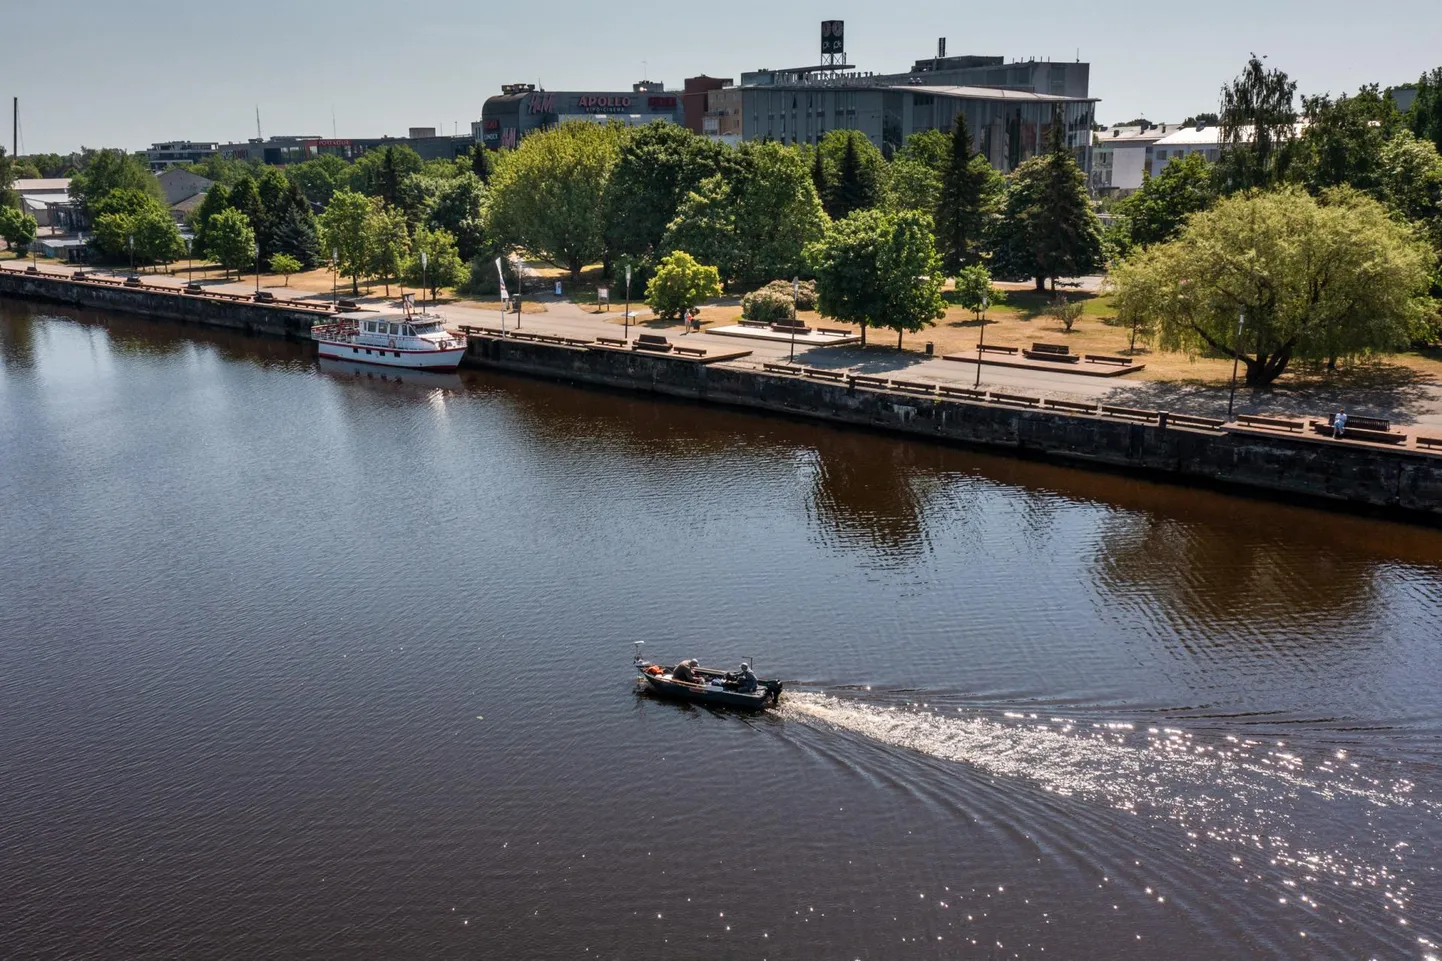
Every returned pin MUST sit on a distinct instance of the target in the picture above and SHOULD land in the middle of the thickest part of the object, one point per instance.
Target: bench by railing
(1016, 399)
(612, 342)
(914, 386)
(1276, 423)
(689, 351)
(781, 369)
(1188, 420)
(1108, 359)
(876, 383)
(1362, 428)
(1130, 413)
(949, 391)
(1071, 406)
(997, 349)
(839, 375)
(1428, 442)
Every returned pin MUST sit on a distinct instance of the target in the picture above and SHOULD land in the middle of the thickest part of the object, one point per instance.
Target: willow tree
(1308, 279)
(1258, 127)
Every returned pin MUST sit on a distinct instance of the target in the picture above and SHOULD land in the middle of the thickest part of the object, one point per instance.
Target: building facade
(282, 150)
(521, 109)
(162, 156)
(1122, 156)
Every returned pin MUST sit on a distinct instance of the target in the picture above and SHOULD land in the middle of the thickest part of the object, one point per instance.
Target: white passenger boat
(411, 339)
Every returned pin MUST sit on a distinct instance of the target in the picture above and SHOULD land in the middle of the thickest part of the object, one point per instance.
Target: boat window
(409, 332)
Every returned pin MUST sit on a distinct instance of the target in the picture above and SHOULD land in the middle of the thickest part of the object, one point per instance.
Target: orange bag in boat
(655, 670)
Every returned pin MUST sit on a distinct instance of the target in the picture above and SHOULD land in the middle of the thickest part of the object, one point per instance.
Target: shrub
(1065, 311)
(767, 306)
(679, 284)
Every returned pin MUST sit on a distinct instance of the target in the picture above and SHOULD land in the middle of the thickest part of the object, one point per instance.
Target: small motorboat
(715, 688)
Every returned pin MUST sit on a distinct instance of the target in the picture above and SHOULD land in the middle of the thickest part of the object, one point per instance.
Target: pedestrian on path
(1339, 422)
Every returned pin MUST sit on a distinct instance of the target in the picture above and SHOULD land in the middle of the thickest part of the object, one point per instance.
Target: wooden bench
(782, 327)
(347, 305)
(1188, 420)
(1017, 399)
(1130, 413)
(690, 351)
(859, 380)
(997, 349)
(1071, 405)
(264, 297)
(743, 322)
(1428, 442)
(835, 331)
(1057, 353)
(824, 374)
(968, 392)
(780, 369)
(1108, 359)
(612, 341)
(1277, 423)
(654, 342)
(131, 282)
(913, 385)
(1373, 429)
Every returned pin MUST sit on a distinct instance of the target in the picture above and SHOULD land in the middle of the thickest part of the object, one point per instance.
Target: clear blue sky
(107, 73)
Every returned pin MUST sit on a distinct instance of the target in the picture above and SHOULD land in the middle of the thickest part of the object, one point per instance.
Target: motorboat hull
(433, 360)
(768, 694)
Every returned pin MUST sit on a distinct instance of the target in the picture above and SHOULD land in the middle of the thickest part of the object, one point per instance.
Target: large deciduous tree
(231, 240)
(658, 165)
(17, 228)
(320, 177)
(1342, 142)
(345, 232)
(1314, 279)
(216, 199)
(754, 220)
(1048, 228)
(679, 284)
(1425, 115)
(104, 171)
(390, 244)
(548, 196)
(969, 186)
(459, 209)
(879, 269)
(442, 266)
(1258, 128)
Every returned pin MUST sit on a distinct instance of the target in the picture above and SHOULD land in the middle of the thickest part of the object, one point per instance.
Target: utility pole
(15, 127)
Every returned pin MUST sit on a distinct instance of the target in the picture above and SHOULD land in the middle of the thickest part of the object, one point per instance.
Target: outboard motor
(773, 690)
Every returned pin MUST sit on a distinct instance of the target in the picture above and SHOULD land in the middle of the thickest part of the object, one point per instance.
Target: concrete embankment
(231, 311)
(1405, 482)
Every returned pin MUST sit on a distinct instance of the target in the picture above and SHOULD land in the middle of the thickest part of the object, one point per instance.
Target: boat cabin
(414, 332)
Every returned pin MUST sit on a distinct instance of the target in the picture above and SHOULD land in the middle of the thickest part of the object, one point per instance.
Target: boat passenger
(746, 679)
(685, 671)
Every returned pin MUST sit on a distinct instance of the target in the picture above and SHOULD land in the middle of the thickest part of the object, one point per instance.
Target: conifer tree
(481, 163)
(966, 186)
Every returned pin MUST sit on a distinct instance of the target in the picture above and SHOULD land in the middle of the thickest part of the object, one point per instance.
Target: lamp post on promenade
(626, 317)
(130, 242)
(981, 343)
(1236, 356)
(257, 270)
(795, 303)
(335, 277)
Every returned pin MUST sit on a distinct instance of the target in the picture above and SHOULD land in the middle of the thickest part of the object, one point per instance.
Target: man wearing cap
(685, 671)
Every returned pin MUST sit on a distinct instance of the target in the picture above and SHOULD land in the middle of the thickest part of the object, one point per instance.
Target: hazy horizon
(102, 76)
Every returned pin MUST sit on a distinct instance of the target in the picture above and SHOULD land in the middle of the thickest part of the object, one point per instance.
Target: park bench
(690, 351)
(1276, 423)
(834, 331)
(654, 342)
(1428, 442)
(193, 289)
(780, 369)
(1017, 399)
(1108, 359)
(913, 385)
(743, 322)
(1058, 353)
(134, 282)
(264, 297)
(1188, 420)
(32, 269)
(1129, 413)
(877, 382)
(967, 392)
(790, 327)
(1071, 405)
(612, 341)
(347, 305)
(824, 374)
(1373, 429)
(997, 349)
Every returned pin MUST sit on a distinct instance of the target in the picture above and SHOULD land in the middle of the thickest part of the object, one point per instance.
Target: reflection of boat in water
(412, 340)
(713, 687)
(390, 375)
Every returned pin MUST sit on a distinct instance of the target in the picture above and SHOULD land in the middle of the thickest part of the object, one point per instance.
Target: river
(303, 661)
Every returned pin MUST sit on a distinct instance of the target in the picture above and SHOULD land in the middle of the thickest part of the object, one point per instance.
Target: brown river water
(309, 662)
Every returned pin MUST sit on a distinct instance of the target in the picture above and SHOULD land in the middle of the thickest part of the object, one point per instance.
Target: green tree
(1204, 118)
(378, 172)
(116, 219)
(104, 171)
(1425, 115)
(1342, 142)
(1048, 228)
(459, 210)
(974, 290)
(481, 164)
(1155, 213)
(284, 264)
(216, 199)
(969, 187)
(658, 165)
(929, 147)
(320, 177)
(18, 229)
(418, 194)
(245, 197)
(390, 244)
(231, 240)
(443, 265)
(548, 196)
(345, 228)
(875, 268)
(1314, 280)
(912, 185)
(224, 171)
(855, 172)
(1410, 183)
(679, 284)
(157, 238)
(753, 221)
(7, 179)
(1258, 128)
(293, 229)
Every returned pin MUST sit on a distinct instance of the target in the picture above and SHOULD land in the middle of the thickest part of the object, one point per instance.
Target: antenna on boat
(636, 659)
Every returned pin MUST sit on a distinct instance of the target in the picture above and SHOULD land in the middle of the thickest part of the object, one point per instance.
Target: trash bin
(930, 348)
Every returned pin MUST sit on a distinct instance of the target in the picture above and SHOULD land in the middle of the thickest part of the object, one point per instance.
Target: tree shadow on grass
(1389, 391)
(871, 360)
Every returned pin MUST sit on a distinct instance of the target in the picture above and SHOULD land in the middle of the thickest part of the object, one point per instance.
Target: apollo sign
(590, 101)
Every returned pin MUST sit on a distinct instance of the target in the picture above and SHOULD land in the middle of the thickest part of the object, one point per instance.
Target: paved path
(1411, 403)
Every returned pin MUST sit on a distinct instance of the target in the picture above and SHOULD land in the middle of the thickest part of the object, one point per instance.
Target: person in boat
(744, 680)
(685, 671)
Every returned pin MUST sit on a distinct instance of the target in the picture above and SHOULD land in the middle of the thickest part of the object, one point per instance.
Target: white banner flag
(501, 276)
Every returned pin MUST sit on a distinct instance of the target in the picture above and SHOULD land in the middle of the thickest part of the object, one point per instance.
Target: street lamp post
(1236, 356)
(423, 281)
(335, 277)
(189, 263)
(130, 242)
(795, 302)
(257, 269)
(626, 318)
(981, 343)
(518, 293)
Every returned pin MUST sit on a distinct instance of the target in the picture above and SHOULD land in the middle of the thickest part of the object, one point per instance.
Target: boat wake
(1256, 797)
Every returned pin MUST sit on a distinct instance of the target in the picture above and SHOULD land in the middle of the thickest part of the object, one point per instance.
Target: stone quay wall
(1407, 483)
(230, 311)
